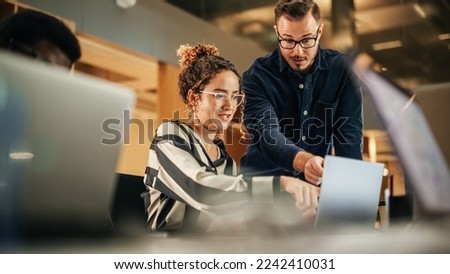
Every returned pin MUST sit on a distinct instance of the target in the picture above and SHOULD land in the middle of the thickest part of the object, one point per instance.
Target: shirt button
(301, 86)
(305, 112)
(303, 138)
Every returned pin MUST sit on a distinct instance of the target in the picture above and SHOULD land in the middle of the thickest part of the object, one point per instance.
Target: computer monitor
(434, 100)
(425, 168)
(58, 173)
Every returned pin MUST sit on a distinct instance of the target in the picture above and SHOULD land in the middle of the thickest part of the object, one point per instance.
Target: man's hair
(30, 26)
(296, 9)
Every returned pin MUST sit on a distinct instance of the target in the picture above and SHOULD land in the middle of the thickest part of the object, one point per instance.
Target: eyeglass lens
(222, 99)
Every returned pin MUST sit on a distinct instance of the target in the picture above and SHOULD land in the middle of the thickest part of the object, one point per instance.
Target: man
(40, 36)
(302, 101)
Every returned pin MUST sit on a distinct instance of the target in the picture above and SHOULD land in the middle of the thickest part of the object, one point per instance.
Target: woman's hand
(305, 194)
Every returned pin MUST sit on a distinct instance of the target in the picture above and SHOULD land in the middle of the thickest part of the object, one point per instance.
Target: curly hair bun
(189, 54)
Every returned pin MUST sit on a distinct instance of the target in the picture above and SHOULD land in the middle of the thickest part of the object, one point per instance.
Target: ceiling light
(387, 45)
(252, 28)
(125, 4)
(444, 36)
(21, 155)
(420, 11)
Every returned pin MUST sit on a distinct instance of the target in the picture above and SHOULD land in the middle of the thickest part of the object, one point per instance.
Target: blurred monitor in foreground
(426, 171)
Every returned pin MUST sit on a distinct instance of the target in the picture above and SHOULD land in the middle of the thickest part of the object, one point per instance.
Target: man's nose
(298, 48)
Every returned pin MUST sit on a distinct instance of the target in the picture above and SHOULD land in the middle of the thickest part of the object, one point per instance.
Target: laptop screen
(349, 195)
(419, 154)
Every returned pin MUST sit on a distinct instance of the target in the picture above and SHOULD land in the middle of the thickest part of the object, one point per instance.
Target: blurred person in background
(40, 36)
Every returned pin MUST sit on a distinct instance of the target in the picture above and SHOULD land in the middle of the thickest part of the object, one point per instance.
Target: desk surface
(416, 239)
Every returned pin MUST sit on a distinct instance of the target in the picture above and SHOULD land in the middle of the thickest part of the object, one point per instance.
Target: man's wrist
(300, 160)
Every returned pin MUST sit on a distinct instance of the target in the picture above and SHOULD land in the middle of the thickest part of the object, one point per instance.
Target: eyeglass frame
(299, 42)
(228, 98)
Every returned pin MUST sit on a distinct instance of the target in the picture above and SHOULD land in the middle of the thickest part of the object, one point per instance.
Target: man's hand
(310, 165)
(314, 170)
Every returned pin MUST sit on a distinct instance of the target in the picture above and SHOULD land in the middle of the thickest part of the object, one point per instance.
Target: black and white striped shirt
(188, 191)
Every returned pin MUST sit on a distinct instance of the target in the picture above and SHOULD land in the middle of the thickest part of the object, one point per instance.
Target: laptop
(60, 141)
(349, 196)
(425, 168)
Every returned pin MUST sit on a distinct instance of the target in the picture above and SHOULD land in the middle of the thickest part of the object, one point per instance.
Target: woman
(191, 179)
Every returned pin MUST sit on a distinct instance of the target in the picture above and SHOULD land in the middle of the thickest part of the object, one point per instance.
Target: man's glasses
(222, 99)
(305, 43)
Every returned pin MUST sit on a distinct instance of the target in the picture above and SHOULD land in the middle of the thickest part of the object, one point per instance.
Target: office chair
(128, 212)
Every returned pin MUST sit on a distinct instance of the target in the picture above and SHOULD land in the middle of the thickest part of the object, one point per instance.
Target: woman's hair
(296, 9)
(200, 63)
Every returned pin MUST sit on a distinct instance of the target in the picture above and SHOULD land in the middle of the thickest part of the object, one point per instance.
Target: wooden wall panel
(170, 103)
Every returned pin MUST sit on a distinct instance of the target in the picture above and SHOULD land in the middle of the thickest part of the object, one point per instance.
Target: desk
(423, 238)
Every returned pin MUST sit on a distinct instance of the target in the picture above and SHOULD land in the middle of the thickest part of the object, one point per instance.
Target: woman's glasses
(222, 99)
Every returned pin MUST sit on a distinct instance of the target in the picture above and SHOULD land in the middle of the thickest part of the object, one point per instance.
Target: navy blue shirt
(286, 112)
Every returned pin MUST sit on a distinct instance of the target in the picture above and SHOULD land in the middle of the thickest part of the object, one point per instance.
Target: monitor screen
(420, 156)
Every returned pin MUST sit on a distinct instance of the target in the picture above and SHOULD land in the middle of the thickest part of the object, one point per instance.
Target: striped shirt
(189, 191)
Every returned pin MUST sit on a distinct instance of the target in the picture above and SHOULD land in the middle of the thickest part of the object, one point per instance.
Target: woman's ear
(192, 97)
